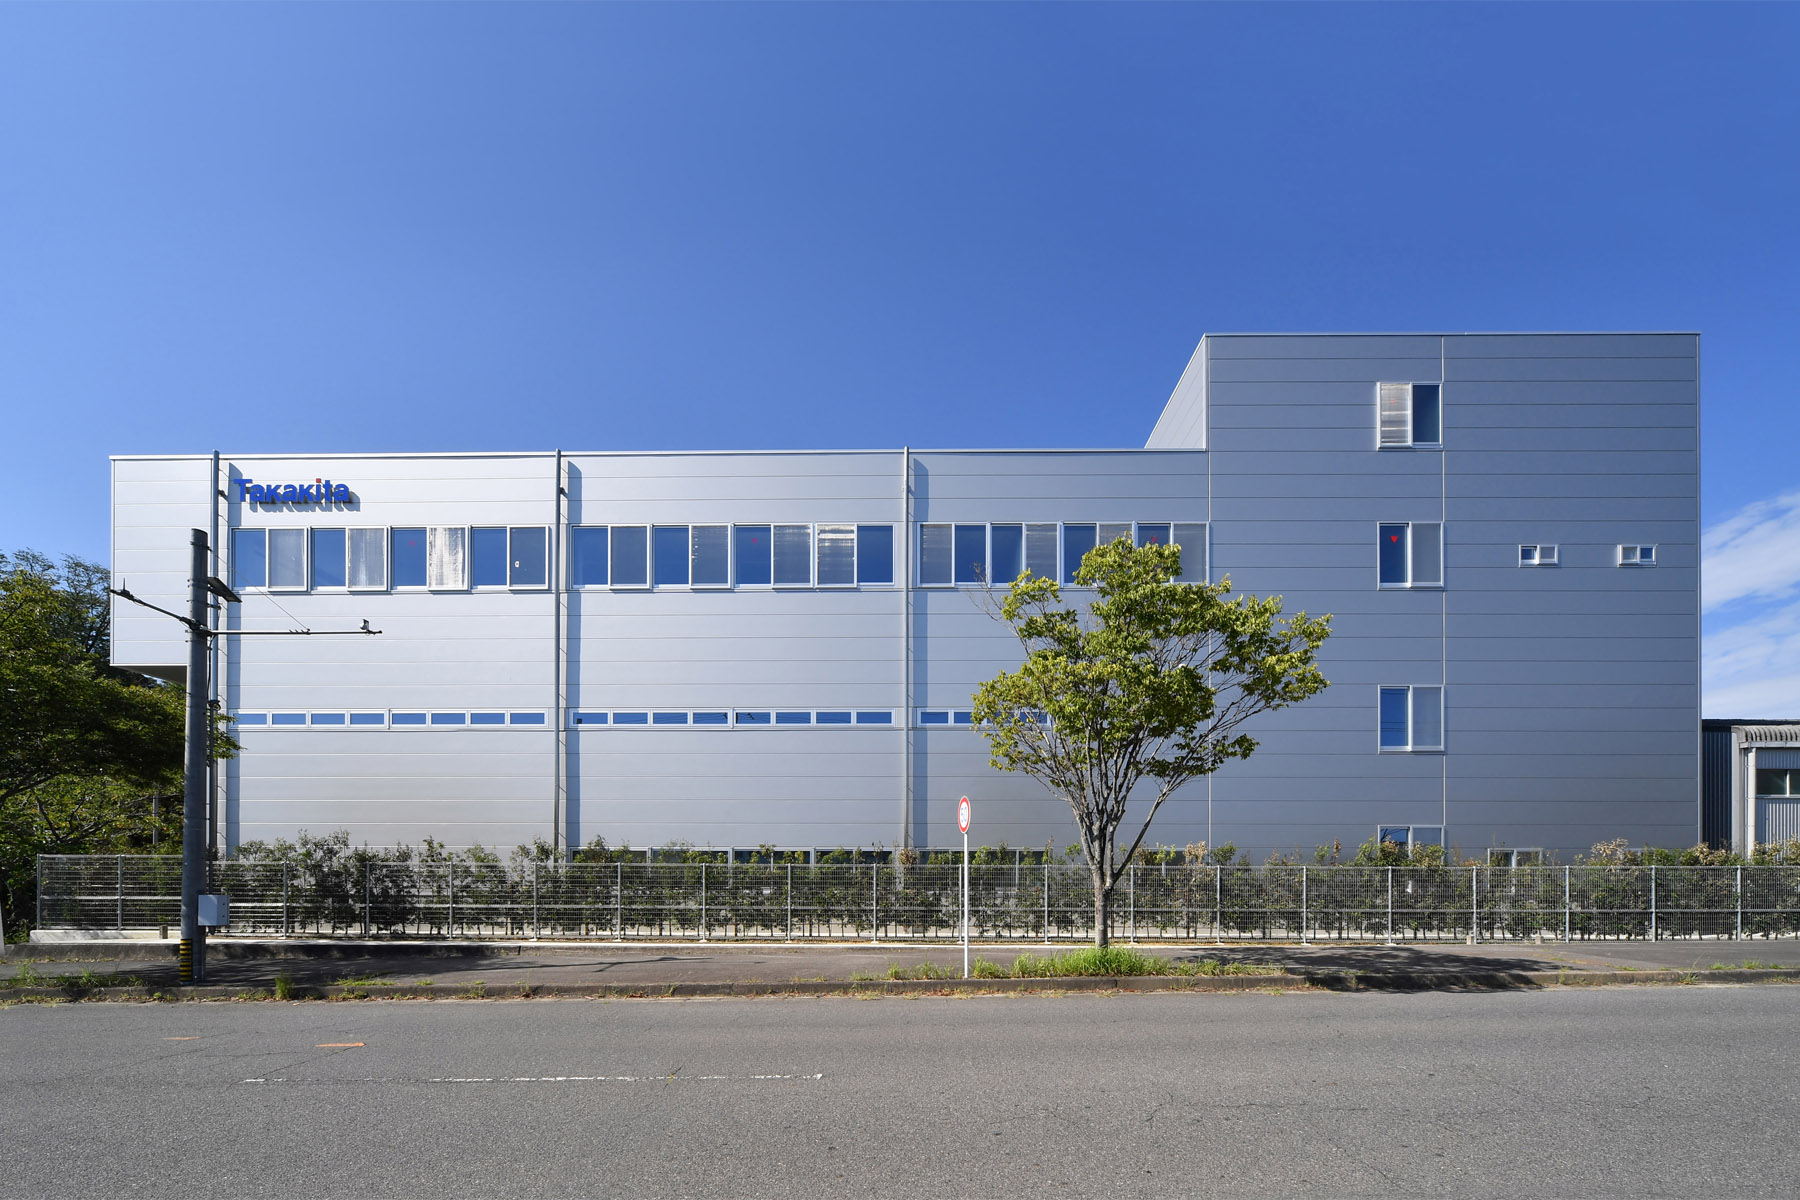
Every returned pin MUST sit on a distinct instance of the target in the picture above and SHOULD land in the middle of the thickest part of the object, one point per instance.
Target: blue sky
(410, 227)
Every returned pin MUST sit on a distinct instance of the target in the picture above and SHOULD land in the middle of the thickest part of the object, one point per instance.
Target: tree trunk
(1102, 910)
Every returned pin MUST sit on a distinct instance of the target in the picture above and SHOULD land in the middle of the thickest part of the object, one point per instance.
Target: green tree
(1152, 683)
(85, 748)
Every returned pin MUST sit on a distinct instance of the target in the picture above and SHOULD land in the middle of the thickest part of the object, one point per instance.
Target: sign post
(962, 823)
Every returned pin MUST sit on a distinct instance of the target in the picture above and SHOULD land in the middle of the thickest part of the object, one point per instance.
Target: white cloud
(1752, 554)
(1752, 668)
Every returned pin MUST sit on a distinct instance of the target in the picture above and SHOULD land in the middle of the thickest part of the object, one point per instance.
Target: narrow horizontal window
(328, 558)
(587, 556)
(630, 556)
(711, 556)
(874, 718)
(874, 554)
(590, 718)
(833, 717)
(528, 563)
(529, 718)
(288, 718)
(326, 718)
(1077, 541)
(1543, 555)
(1006, 549)
(250, 718)
(934, 716)
(630, 718)
(962, 718)
(793, 718)
(756, 717)
(409, 557)
(753, 560)
(1637, 556)
(487, 718)
(408, 718)
(368, 559)
(937, 552)
(449, 718)
(669, 718)
(249, 558)
(446, 557)
(368, 719)
(673, 557)
(793, 555)
(287, 560)
(711, 718)
(487, 557)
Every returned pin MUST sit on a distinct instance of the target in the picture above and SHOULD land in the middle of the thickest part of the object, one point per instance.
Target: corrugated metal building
(1750, 782)
(740, 649)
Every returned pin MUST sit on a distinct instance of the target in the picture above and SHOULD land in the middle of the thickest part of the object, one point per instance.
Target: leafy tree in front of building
(1150, 685)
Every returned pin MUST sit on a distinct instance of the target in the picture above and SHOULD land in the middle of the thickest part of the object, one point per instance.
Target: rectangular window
(750, 545)
(833, 718)
(587, 556)
(962, 717)
(529, 718)
(936, 553)
(971, 554)
(1192, 540)
(289, 718)
(446, 557)
(874, 718)
(753, 718)
(409, 557)
(669, 546)
(1637, 556)
(934, 716)
(631, 718)
(1077, 541)
(669, 718)
(1412, 718)
(248, 718)
(368, 719)
(1543, 555)
(1006, 545)
(448, 718)
(287, 560)
(793, 555)
(1427, 835)
(1410, 414)
(1153, 533)
(368, 559)
(487, 557)
(529, 562)
(1773, 782)
(630, 556)
(328, 558)
(711, 718)
(1410, 555)
(408, 718)
(837, 555)
(330, 718)
(249, 558)
(793, 718)
(1112, 531)
(1040, 550)
(590, 718)
(874, 554)
(711, 556)
(487, 718)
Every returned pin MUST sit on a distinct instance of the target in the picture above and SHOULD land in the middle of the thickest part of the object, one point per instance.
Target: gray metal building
(744, 649)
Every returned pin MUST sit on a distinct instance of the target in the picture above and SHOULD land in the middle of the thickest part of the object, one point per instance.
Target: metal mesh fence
(868, 901)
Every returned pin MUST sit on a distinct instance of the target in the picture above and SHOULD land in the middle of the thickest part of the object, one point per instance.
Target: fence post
(1131, 904)
(1303, 905)
(1390, 923)
(790, 902)
(286, 917)
(1219, 903)
(1565, 904)
(1046, 900)
(619, 898)
(1474, 904)
(874, 902)
(536, 927)
(1653, 902)
(1738, 935)
(703, 902)
(119, 916)
(366, 867)
(450, 917)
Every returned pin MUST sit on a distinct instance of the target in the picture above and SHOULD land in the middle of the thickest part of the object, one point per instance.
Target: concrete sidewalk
(256, 964)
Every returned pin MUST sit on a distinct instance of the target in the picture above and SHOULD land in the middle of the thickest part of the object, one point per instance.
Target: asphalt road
(1593, 1092)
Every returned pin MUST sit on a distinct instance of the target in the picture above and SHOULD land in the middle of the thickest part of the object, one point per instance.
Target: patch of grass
(924, 970)
(27, 976)
(527, 990)
(1749, 964)
(284, 986)
(1215, 966)
(363, 981)
(475, 991)
(424, 983)
(982, 968)
(863, 977)
(1090, 960)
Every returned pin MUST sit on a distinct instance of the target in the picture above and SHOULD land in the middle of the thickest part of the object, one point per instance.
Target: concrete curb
(1320, 980)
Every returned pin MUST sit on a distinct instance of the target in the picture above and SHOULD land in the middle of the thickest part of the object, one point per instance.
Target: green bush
(1091, 960)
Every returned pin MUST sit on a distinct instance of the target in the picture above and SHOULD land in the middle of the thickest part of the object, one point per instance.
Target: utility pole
(199, 750)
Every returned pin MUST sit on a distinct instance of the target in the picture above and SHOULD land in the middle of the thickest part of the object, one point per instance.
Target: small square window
(1542, 555)
(1409, 414)
(1637, 556)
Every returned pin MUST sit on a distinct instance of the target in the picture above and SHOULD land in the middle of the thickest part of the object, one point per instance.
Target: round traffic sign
(962, 815)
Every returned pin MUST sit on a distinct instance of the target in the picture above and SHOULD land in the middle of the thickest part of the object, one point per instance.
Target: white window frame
(549, 560)
(424, 712)
(328, 712)
(1636, 557)
(612, 572)
(818, 546)
(1542, 554)
(812, 555)
(1411, 442)
(305, 721)
(469, 559)
(1409, 585)
(1508, 856)
(354, 712)
(468, 545)
(1412, 723)
(730, 564)
(387, 555)
(305, 532)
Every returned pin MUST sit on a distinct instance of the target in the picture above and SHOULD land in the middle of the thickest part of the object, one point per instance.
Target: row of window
(390, 719)
(1544, 555)
(441, 557)
(952, 554)
(754, 718)
(724, 556)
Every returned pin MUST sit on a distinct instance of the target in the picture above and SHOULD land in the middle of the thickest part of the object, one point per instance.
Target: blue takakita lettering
(319, 491)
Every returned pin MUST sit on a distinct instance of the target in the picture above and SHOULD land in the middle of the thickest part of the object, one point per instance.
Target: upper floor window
(1000, 552)
(328, 551)
(1410, 554)
(249, 558)
(1410, 414)
(409, 557)
(287, 560)
(1541, 555)
(1637, 556)
(1412, 718)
